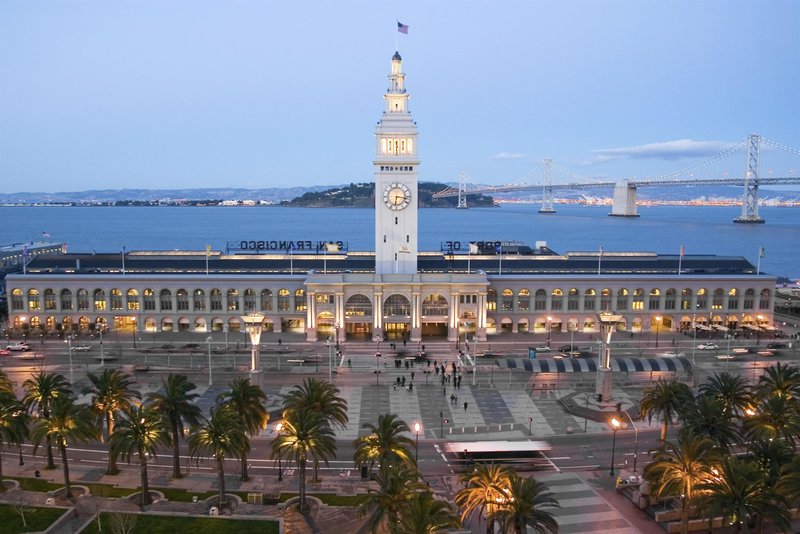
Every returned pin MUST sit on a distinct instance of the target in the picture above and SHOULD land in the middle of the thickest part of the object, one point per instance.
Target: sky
(180, 94)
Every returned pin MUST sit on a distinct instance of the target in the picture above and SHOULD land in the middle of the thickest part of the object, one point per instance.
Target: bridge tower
(750, 198)
(547, 188)
(462, 191)
(624, 199)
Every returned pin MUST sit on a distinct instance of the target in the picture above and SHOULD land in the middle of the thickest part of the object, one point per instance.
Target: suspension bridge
(625, 190)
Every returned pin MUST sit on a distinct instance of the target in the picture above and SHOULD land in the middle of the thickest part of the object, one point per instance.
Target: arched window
(733, 299)
(655, 299)
(669, 299)
(232, 301)
(622, 299)
(132, 299)
(524, 300)
(266, 300)
(491, 300)
(435, 304)
(33, 300)
(249, 300)
(717, 300)
(749, 299)
(540, 299)
(638, 299)
(49, 299)
(165, 300)
(116, 299)
(66, 300)
(702, 299)
(686, 299)
(764, 300)
(573, 301)
(507, 302)
(149, 299)
(300, 300)
(605, 299)
(396, 305)
(17, 302)
(182, 300)
(99, 300)
(216, 300)
(358, 306)
(556, 299)
(199, 300)
(283, 299)
(589, 299)
(83, 300)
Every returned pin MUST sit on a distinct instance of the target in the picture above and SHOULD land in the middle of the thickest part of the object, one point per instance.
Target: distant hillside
(363, 196)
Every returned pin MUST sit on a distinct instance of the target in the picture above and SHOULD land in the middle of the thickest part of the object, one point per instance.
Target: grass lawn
(38, 519)
(159, 524)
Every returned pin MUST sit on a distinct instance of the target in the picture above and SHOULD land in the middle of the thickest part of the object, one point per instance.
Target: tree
(788, 485)
(247, 400)
(732, 390)
(385, 442)
(140, 431)
(740, 494)
(111, 392)
(771, 455)
(526, 503)
(68, 423)
(707, 415)
(13, 424)
(319, 396)
(483, 489)
(223, 435)
(677, 470)
(6, 386)
(779, 380)
(42, 389)
(385, 506)
(305, 435)
(664, 399)
(424, 514)
(775, 417)
(176, 405)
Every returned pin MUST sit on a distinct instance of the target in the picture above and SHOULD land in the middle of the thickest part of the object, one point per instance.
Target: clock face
(396, 196)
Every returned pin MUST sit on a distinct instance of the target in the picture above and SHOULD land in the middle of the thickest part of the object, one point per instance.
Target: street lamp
(530, 422)
(330, 359)
(549, 327)
(102, 352)
(278, 429)
(253, 324)
(658, 327)
(208, 341)
(615, 424)
(336, 328)
(417, 428)
(635, 440)
(68, 341)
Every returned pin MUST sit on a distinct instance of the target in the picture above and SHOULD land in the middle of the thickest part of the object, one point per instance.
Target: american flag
(402, 28)
(683, 251)
(45, 234)
(601, 251)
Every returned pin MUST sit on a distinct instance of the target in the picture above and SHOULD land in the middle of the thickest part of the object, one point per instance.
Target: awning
(589, 365)
(768, 327)
(720, 327)
(751, 327)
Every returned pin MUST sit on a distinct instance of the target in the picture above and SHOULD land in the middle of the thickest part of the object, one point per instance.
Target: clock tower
(396, 176)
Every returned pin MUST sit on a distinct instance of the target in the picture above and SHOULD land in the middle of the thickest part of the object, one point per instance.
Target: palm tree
(425, 514)
(776, 417)
(111, 392)
(42, 389)
(396, 486)
(223, 435)
(771, 455)
(13, 424)
(322, 397)
(707, 415)
(385, 442)
(788, 484)
(664, 399)
(247, 400)
(740, 494)
(733, 390)
(483, 489)
(176, 405)
(6, 385)
(526, 504)
(68, 422)
(677, 470)
(779, 380)
(305, 435)
(140, 430)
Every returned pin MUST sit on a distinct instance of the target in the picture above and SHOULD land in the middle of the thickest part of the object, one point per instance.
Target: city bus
(522, 455)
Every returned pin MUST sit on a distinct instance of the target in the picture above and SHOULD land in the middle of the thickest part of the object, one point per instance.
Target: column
(339, 316)
(377, 317)
(311, 316)
(416, 316)
(452, 331)
(480, 330)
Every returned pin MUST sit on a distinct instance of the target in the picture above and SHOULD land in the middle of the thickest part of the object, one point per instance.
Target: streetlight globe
(279, 427)
(615, 423)
(417, 427)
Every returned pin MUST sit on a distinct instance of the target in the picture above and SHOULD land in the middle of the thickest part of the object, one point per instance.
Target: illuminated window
(99, 300)
(702, 299)
(149, 299)
(396, 305)
(435, 305)
(283, 299)
(358, 306)
(133, 299)
(66, 300)
(524, 300)
(233, 300)
(507, 302)
(556, 299)
(686, 299)
(733, 299)
(655, 300)
(249, 300)
(573, 301)
(589, 297)
(116, 299)
(49, 299)
(17, 302)
(638, 299)
(491, 300)
(33, 299)
(300, 300)
(83, 300)
(749, 299)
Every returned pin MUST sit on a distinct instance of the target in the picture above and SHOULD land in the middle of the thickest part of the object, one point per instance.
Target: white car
(725, 357)
(707, 346)
(670, 354)
(542, 349)
(81, 348)
(19, 347)
(740, 350)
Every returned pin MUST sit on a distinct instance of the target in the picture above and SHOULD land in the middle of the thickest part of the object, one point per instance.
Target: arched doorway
(396, 317)
(435, 314)
(358, 316)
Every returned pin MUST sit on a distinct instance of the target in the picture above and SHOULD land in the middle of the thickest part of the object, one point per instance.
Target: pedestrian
(280, 341)
(398, 380)
(412, 376)
(403, 381)
(411, 387)
(443, 380)
(444, 391)
(404, 341)
(452, 398)
(437, 371)
(465, 406)
(349, 363)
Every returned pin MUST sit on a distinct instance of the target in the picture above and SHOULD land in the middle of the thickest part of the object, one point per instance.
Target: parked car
(670, 354)
(5, 352)
(192, 346)
(766, 353)
(560, 356)
(19, 347)
(707, 346)
(725, 357)
(82, 348)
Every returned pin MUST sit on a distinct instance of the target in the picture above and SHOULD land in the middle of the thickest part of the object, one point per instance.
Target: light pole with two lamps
(210, 379)
(549, 329)
(635, 439)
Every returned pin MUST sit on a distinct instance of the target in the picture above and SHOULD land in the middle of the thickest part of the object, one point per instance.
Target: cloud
(669, 150)
(508, 155)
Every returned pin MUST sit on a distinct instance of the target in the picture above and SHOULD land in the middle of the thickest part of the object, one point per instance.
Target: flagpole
(207, 251)
(680, 260)
(599, 260)
(758, 263)
(500, 270)
(123, 260)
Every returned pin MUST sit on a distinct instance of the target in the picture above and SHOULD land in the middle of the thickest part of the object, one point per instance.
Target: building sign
(304, 246)
(484, 247)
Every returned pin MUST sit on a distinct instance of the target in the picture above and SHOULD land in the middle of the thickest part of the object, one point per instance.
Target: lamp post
(530, 422)
(615, 424)
(208, 342)
(330, 359)
(658, 325)
(377, 368)
(21, 461)
(253, 324)
(102, 352)
(549, 329)
(417, 428)
(635, 440)
(69, 351)
(336, 329)
(278, 429)
(758, 329)
(694, 337)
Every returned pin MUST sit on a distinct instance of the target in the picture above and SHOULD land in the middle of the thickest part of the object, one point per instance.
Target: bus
(525, 455)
